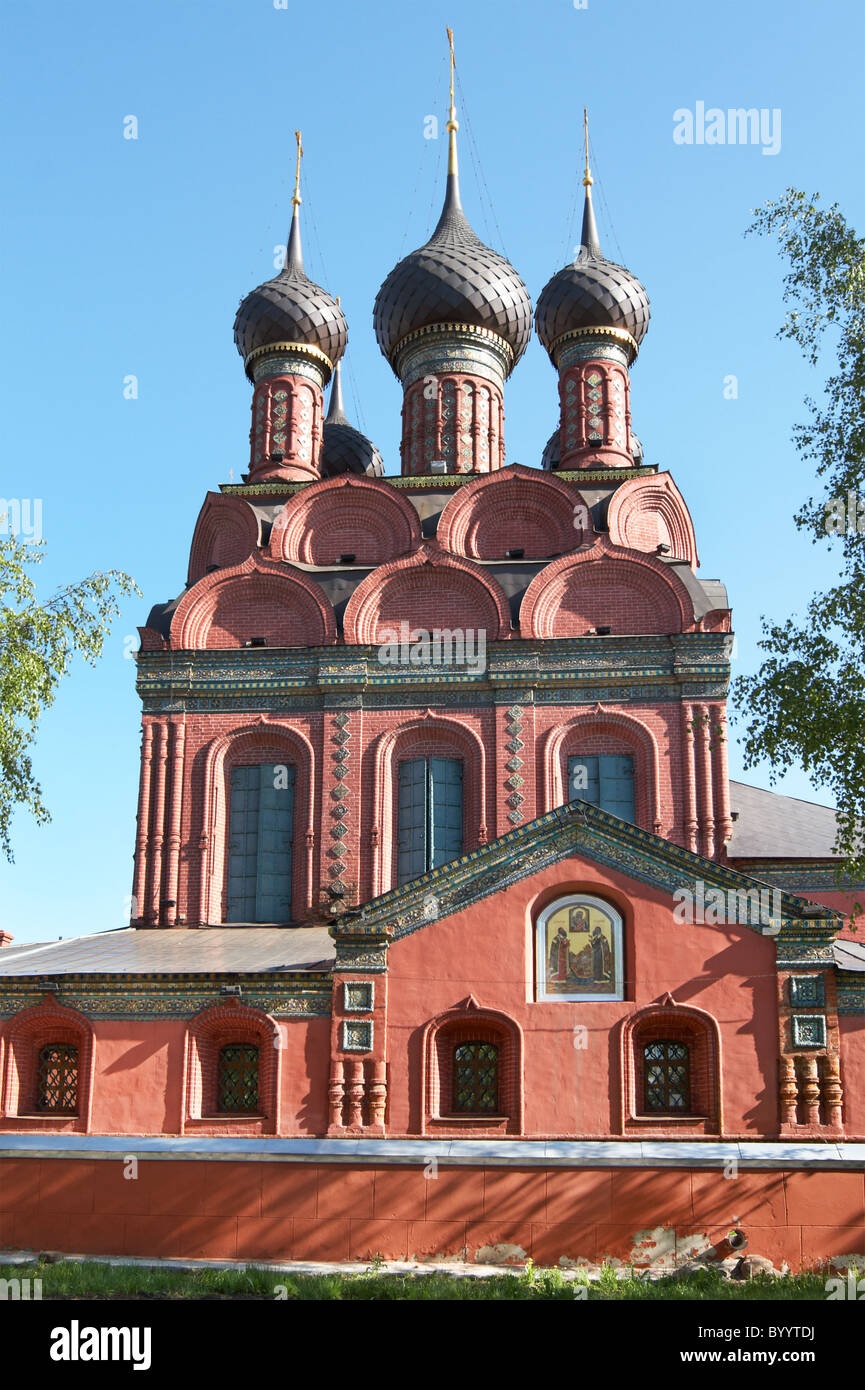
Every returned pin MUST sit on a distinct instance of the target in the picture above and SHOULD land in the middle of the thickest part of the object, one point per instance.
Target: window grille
(237, 1079)
(667, 1070)
(476, 1078)
(57, 1079)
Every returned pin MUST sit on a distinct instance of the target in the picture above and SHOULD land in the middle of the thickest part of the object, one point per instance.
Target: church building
(451, 936)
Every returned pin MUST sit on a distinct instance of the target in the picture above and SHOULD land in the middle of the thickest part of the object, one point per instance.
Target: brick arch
(467, 1023)
(632, 593)
(258, 742)
(345, 515)
(207, 1032)
(647, 512)
(257, 598)
(426, 590)
(684, 1022)
(27, 1032)
(226, 532)
(430, 735)
(515, 508)
(604, 731)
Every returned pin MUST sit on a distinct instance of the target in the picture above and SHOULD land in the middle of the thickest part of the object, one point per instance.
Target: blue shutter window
(430, 815)
(260, 832)
(605, 780)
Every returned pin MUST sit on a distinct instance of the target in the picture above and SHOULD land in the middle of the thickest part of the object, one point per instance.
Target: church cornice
(689, 665)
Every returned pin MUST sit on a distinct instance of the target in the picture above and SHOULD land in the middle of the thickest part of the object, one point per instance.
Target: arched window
(57, 1079)
(476, 1078)
(260, 836)
(670, 1061)
(667, 1077)
(237, 1079)
(579, 950)
(430, 815)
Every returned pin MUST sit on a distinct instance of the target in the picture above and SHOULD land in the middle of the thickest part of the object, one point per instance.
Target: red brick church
(451, 935)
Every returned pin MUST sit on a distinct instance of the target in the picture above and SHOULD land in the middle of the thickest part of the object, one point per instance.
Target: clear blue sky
(129, 257)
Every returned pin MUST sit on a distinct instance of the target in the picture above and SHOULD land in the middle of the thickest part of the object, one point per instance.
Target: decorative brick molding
(206, 1033)
(24, 1035)
(678, 1023)
(598, 730)
(259, 742)
(427, 590)
(258, 598)
(515, 508)
(647, 512)
(345, 515)
(226, 532)
(469, 1022)
(430, 735)
(605, 586)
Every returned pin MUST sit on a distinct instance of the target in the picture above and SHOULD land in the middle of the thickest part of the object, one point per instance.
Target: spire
(452, 201)
(294, 250)
(589, 237)
(336, 410)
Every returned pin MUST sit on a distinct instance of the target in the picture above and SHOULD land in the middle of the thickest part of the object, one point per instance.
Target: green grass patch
(73, 1279)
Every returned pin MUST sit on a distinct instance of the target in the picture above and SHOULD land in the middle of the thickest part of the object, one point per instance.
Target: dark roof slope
(771, 826)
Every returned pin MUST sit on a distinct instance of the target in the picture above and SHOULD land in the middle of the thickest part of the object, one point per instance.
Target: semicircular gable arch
(651, 511)
(605, 586)
(345, 515)
(226, 532)
(515, 507)
(428, 591)
(256, 599)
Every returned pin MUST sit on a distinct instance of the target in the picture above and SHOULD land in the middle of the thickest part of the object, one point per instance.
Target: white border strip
(474, 1153)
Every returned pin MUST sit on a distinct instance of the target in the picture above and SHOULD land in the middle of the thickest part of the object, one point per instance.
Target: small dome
(291, 308)
(552, 455)
(344, 449)
(454, 278)
(591, 292)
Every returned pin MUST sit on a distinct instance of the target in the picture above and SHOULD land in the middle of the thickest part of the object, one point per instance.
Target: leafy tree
(806, 704)
(37, 644)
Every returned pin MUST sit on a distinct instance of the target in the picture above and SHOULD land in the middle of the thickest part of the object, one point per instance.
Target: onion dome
(344, 449)
(591, 292)
(290, 310)
(453, 280)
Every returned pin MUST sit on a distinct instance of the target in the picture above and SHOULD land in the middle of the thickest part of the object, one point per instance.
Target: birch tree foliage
(806, 704)
(38, 641)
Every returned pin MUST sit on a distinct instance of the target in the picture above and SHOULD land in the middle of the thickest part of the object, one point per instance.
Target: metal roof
(850, 955)
(175, 951)
(771, 826)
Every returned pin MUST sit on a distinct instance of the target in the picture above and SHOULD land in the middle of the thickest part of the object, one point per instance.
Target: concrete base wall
(287, 1209)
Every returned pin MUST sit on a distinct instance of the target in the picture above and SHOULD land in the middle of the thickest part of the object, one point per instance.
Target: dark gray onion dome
(552, 455)
(591, 292)
(291, 308)
(454, 278)
(344, 449)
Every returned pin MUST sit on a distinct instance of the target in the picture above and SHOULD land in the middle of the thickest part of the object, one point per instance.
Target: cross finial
(296, 199)
(587, 179)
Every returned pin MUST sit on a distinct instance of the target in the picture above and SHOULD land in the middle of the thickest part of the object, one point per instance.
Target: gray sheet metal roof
(771, 826)
(850, 955)
(192, 951)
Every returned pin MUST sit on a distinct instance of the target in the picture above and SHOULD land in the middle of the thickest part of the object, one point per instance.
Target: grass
(71, 1279)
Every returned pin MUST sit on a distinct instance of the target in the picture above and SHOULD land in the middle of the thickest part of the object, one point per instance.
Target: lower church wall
(354, 1210)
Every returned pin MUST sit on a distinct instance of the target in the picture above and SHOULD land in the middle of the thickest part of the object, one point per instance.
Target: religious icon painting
(579, 950)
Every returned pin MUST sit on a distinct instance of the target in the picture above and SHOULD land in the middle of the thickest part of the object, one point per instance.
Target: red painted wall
(283, 1211)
